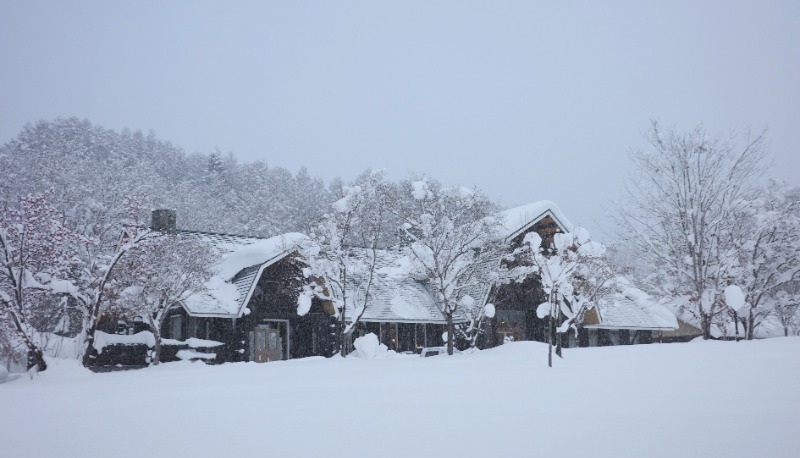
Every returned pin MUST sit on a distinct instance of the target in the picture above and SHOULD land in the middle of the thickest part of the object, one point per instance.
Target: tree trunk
(450, 333)
(341, 336)
(550, 341)
(35, 354)
(705, 325)
(558, 344)
(751, 325)
(347, 342)
(156, 349)
(87, 351)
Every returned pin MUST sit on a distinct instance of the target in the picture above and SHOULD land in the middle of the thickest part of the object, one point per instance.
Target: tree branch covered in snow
(35, 253)
(342, 261)
(159, 274)
(450, 232)
(680, 213)
(572, 272)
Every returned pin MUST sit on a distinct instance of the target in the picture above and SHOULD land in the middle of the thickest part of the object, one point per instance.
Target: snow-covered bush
(368, 347)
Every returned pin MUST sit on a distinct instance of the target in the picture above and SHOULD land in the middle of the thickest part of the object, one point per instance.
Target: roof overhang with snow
(242, 262)
(519, 220)
(630, 308)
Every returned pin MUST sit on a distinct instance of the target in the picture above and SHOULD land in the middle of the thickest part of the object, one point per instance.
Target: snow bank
(626, 401)
(368, 347)
(192, 354)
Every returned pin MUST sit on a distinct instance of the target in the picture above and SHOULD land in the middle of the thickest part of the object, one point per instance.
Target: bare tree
(679, 212)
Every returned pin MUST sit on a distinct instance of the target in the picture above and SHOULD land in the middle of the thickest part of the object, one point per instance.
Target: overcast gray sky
(528, 100)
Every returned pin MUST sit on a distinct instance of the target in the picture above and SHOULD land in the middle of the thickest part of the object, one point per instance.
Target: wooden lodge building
(252, 304)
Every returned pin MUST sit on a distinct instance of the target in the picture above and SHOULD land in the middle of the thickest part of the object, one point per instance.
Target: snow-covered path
(697, 399)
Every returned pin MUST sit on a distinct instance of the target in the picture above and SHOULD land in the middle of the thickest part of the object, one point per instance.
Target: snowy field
(697, 399)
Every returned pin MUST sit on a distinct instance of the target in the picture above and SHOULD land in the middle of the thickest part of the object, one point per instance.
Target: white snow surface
(734, 297)
(394, 294)
(543, 310)
(627, 307)
(626, 401)
(368, 347)
(420, 190)
(102, 340)
(520, 218)
(192, 354)
(257, 253)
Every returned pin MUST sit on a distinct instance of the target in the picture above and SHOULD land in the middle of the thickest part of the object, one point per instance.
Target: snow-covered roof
(241, 261)
(519, 219)
(630, 308)
(395, 296)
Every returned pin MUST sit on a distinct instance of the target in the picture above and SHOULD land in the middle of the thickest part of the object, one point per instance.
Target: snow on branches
(450, 233)
(160, 273)
(36, 253)
(680, 214)
(572, 271)
(342, 256)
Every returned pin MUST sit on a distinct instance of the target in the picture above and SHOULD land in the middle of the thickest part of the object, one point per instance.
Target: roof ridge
(226, 234)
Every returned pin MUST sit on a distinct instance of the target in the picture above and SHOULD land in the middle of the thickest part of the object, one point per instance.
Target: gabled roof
(630, 308)
(395, 296)
(519, 219)
(515, 221)
(241, 262)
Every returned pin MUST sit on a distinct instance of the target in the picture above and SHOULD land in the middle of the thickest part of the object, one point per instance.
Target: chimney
(163, 221)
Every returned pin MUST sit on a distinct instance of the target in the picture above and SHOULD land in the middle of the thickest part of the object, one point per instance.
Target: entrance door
(267, 345)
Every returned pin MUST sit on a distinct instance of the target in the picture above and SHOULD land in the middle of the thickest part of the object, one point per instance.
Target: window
(175, 324)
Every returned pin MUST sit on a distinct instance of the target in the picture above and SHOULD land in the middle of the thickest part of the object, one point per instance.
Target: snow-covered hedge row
(103, 340)
(134, 350)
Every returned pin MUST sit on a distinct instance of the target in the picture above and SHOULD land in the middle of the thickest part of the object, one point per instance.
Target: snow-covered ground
(727, 399)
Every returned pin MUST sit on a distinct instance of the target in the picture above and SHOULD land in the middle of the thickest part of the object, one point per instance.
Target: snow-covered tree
(12, 351)
(476, 315)
(450, 232)
(766, 238)
(570, 275)
(680, 211)
(90, 282)
(786, 307)
(343, 255)
(91, 170)
(35, 254)
(160, 273)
